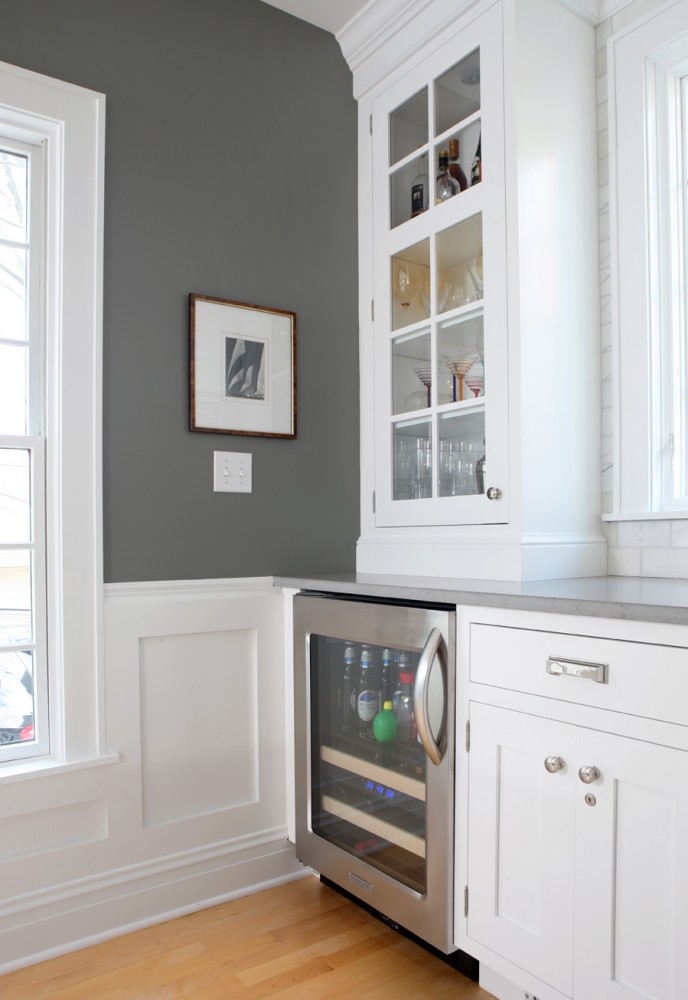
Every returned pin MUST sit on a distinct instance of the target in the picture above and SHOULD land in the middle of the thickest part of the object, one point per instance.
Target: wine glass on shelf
(459, 366)
(475, 271)
(475, 378)
(404, 285)
(424, 373)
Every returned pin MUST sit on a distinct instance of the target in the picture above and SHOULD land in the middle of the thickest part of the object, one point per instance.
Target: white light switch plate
(232, 472)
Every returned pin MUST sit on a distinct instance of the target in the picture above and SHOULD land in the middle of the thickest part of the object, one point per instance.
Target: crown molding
(386, 32)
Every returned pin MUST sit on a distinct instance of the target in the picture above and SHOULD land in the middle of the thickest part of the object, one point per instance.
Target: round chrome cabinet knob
(589, 773)
(493, 493)
(554, 764)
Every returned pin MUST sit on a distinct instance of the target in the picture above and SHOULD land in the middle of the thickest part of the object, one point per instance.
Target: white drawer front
(632, 677)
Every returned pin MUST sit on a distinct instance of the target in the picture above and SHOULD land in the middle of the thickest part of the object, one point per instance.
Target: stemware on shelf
(475, 378)
(459, 366)
(405, 283)
(424, 373)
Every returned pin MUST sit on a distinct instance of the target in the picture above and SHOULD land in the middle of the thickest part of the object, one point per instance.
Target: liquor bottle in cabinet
(420, 189)
(455, 168)
(477, 167)
(445, 185)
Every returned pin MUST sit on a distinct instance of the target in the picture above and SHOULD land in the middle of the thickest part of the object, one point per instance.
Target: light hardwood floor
(300, 941)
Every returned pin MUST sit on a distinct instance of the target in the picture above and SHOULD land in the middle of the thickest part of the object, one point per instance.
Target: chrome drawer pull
(558, 667)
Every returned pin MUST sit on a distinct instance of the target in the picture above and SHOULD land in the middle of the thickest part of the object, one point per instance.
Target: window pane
(13, 187)
(12, 389)
(15, 597)
(16, 665)
(13, 262)
(15, 496)
(16, 696)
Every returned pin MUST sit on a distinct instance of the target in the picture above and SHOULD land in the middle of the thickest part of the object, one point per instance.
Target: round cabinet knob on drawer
(554, 764)
(589, 773)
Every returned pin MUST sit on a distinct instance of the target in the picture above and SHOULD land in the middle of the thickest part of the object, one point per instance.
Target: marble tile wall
(635, 548)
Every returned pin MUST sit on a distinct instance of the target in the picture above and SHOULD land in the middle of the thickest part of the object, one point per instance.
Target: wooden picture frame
(242, 368)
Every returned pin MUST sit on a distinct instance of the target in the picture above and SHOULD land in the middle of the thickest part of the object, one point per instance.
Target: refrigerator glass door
(368, 788)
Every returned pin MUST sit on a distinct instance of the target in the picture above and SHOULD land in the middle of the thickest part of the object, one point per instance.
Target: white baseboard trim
(71, 916)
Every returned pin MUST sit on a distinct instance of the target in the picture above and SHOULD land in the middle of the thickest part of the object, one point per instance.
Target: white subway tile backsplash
(603, 134)
(623, 562)
(644, 534)
(679, 532)
(664, 562)
(610, 532)
(603, 34)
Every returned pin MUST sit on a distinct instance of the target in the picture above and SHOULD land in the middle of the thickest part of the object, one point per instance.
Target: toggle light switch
(232, 472)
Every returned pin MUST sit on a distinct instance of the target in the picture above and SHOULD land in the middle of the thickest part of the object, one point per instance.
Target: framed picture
(242, 361)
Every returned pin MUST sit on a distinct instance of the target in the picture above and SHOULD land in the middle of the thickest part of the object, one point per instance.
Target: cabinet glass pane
(410, 281)
(408, 127)
(461, 146)
(412, 460)
(457, 93)
(410, 365)
(460, 264)
(409, 191)
(461, 455)
(460, 348)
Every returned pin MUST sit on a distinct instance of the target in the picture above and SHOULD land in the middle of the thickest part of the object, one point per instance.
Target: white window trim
(72, 120)
(640, 281)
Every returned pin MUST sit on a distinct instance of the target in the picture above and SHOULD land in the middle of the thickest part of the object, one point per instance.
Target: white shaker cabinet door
(631, 905)
(521, 834)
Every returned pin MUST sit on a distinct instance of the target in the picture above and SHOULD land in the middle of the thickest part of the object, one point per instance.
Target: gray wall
(230, 171)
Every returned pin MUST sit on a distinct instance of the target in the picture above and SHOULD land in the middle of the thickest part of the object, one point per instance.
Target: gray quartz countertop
(631, 598)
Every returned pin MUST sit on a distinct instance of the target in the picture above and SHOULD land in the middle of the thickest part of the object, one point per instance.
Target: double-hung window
(24, 725)
(51, 214)
(648, 73)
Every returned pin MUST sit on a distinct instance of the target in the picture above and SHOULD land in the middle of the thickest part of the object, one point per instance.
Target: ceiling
(331, 15)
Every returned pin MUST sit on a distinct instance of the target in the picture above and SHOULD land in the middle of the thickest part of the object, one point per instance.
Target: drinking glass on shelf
(458, 465)
(412, 467)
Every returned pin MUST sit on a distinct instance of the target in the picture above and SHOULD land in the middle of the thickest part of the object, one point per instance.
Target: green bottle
(385, 724)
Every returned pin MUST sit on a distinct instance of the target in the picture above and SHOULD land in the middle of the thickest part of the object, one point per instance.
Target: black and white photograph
(245, 364)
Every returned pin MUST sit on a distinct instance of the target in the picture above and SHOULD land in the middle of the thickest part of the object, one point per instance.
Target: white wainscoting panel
(187, 806)
(48, 829)
(199, 723)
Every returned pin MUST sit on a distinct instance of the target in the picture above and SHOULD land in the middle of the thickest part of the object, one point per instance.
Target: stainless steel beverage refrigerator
(374, 693)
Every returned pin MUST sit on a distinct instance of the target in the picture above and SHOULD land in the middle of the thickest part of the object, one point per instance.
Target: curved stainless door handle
(420, 695)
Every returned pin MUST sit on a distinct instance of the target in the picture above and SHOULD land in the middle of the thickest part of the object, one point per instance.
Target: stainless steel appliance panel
(376, 817)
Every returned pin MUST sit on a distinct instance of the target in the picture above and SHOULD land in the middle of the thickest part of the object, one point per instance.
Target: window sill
(41, 768)
(654, 515)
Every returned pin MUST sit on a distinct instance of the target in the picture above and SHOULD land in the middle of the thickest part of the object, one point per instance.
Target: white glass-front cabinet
(440, 287)
(479, 305)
